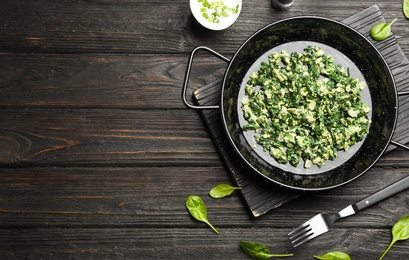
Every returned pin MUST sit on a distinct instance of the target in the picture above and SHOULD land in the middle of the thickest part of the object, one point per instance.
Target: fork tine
(299, 228)
(304, 232)
(314, 227)
(307, 237)
(301, 234)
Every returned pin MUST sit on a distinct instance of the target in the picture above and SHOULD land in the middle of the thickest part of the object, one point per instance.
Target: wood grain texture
(72, 26)
(104, 137)
(138, 197)
(177, 243)
(98, 153)
(101, 81)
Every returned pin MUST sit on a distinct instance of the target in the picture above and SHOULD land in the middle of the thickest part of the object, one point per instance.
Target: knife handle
(385, 193)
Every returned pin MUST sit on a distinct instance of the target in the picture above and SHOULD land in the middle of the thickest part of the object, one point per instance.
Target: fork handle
(385, 193)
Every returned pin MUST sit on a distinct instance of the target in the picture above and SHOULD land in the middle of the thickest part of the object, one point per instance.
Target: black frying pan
(350, 49)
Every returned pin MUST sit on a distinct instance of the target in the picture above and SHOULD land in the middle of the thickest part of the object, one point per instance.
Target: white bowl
(197, 9)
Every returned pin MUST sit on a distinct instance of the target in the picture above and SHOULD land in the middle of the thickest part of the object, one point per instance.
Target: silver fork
(322, 222)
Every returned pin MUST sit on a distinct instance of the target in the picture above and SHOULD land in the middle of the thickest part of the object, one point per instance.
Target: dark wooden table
(98, 153)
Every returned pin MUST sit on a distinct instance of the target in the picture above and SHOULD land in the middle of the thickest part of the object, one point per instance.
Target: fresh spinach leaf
(381, 31)
(222, 190)
(400, 231)
(336, 255)
(258, 251)
(198, 210)
(406, 8)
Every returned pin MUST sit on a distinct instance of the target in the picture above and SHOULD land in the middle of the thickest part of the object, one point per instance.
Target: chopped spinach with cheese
(302, 106)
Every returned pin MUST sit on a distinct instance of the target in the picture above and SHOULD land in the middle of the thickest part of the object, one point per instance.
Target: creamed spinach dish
(302, 106)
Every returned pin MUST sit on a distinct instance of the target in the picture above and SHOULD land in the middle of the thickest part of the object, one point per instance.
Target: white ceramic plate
(197, 7)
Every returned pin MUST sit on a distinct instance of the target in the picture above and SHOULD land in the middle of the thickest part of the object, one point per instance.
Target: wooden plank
(132, 26)
(111, 137)
(96, 159)
(104, 137)
(101, 81)
(192, 243)
(154, 197)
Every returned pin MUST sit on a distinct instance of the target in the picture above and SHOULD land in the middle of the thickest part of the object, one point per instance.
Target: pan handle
(403, 93)
(187, 75)
(400, 145)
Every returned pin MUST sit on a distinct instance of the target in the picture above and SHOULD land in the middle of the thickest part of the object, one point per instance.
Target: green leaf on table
(258, 251)
(381, 31)
(197, 208)
(400, 231)
(222, 190)
(335, 255)
(406, 8)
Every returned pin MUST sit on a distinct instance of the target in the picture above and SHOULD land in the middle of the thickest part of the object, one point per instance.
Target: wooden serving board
(261, 196)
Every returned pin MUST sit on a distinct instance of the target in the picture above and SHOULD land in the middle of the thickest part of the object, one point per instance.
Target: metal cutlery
(322, 222)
